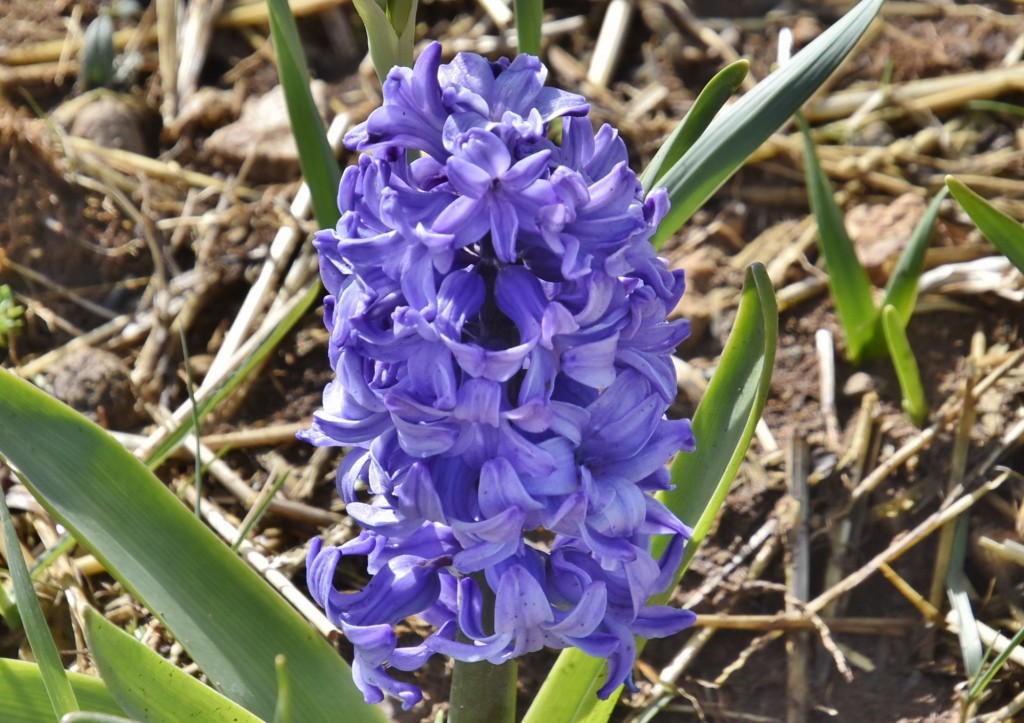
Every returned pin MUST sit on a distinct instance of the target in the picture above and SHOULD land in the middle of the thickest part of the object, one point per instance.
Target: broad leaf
(230, 621)
(150, 688)
(738, 132)
(390, 32)
(730, 409)
(711, 99)
(23, 696)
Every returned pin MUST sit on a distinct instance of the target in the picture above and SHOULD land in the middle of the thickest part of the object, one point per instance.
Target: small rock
(111, 123)
(207, 108)
(263, 125)
(860, 383)
(96, 383)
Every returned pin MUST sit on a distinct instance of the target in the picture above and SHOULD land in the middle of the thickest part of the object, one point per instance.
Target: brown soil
(84, 241)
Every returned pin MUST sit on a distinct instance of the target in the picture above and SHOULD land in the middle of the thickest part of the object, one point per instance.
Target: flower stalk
(499, 334)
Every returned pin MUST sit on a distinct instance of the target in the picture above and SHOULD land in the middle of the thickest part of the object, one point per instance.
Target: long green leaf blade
(737, 133)
(1001, 230)
(319, 167)
(849, 282)
(727, 415)
(58, 687)
(228, 619)
(723, 426)
(150, 688)
(23, 696)
(901, 291)
(529, 16)
(569, 690)
(915, 404)
(981, 682)
(710, 100)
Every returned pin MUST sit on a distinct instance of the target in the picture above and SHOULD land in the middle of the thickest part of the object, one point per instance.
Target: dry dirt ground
(131, 214)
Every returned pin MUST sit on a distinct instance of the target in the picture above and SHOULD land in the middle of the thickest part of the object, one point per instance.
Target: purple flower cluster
(498, 331)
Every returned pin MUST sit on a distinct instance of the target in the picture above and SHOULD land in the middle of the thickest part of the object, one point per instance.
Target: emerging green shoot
(848, 281)
(96, 58)
(914, 402)
(1001, 230)
(11, 321)
(869, 331)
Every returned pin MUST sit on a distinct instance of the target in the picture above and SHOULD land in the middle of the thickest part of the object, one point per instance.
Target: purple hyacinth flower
(497, 328)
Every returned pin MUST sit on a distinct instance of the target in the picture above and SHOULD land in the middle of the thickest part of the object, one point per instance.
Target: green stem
(483, 692)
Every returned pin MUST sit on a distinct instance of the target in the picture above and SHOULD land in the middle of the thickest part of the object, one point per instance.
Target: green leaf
(723, 426)
(283, 711)
(51, 669)
(89, 717)
(96, 58)
(847, 279)
(319, 166)
(711, 99)
(569, 690)
(391, 39)
(529, 16)
(981, 682)
(901, 291)
(230, 621)
(738, 132)
(914, 402)
(1001, 230)
(9, 610)
(23, 696)
(724, 422)
(150, 688)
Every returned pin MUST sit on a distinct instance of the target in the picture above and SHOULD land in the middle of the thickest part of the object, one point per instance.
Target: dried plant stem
(930, 613)
(825, 347)
(164, 170)
(954, 508)
(241, 490)
(958, 467)
(799, 621)
(798, 578)
(238, 15)
(609, 42)
(764, 543)
(278, 256)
